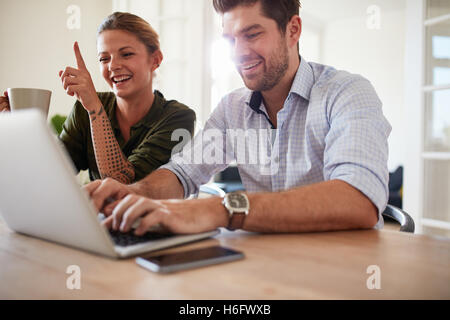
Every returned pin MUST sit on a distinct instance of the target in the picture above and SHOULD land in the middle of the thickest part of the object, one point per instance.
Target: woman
(124, 134)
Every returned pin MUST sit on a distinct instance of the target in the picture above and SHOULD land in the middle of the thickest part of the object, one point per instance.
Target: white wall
(413, 190)
(378, 55)
(36, 43)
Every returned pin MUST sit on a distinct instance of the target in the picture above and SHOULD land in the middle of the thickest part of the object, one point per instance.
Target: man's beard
(276, 69)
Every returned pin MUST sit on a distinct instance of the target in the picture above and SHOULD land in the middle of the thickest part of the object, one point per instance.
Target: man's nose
(240, 51)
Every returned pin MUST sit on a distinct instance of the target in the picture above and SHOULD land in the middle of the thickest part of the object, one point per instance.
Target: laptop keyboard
(129, 238)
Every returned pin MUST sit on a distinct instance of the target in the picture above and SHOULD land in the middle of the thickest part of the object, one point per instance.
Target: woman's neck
(131, 110)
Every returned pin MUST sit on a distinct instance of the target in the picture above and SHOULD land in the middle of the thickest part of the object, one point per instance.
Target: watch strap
(236, 217)
(236, 221)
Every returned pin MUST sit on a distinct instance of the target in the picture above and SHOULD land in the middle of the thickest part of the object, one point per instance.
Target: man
(327, 143)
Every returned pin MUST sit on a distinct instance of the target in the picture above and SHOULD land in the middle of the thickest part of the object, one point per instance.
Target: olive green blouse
(149, 145)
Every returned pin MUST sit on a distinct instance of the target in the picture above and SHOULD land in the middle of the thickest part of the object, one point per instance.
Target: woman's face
(125, 63)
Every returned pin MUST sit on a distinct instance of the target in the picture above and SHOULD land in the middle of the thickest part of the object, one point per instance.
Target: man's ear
(157, 57)
(294, 30)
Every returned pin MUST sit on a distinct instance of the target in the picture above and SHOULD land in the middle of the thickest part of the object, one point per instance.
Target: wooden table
(330, 265)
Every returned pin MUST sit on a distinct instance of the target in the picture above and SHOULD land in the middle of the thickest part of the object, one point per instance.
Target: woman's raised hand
(78, 82)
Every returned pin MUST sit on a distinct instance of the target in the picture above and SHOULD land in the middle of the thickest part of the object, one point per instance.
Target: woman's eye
(128, 54)
(103, 59)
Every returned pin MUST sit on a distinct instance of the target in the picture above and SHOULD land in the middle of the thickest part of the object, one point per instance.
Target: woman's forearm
(111, 161)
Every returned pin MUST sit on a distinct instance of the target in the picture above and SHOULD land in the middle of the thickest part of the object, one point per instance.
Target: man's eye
(128, 54)
(253, 35)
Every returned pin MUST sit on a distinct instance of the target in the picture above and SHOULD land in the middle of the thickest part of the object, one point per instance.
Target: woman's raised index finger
(78, 56)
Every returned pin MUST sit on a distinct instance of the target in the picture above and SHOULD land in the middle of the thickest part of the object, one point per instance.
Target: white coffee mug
(24, 98)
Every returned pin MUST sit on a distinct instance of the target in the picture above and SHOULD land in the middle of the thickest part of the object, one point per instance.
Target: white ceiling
(329, 10)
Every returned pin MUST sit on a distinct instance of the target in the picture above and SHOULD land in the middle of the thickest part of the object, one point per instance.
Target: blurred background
(401, 46)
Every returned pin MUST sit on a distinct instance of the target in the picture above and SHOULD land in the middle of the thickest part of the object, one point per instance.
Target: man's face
(259, 49)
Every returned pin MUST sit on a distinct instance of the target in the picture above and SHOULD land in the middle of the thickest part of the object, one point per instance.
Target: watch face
(237, 201)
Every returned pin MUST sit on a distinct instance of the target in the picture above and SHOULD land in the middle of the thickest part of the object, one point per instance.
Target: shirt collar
(304, 80)
(302, 85)
(154, 113)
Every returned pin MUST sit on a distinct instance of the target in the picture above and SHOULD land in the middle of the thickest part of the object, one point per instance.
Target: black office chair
(400, 216)
(229, 180)
(395, 186)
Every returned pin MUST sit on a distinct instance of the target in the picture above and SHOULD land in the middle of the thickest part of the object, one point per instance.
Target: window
(181, 27)
(435, 216)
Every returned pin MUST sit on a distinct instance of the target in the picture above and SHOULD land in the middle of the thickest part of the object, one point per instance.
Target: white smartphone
(172, 262)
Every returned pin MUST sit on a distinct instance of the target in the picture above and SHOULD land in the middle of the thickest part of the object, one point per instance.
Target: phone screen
(189, 259)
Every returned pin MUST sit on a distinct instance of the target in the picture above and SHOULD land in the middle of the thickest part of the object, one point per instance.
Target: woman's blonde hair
(133, 24)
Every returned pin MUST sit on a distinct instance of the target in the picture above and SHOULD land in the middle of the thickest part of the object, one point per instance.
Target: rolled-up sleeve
(356, 146)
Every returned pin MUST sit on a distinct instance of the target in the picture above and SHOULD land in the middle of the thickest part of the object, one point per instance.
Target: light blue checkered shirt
(330, 127)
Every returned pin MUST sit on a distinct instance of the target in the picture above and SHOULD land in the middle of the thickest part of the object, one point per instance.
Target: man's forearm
(160, 184)
(325, 206)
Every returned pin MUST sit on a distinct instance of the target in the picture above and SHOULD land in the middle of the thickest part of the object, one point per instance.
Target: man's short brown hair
(279, 10)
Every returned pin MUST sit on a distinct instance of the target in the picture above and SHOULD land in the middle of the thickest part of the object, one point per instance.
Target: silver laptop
(40, 195)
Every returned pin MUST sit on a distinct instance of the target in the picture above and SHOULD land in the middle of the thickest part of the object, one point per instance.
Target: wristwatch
(238, 206)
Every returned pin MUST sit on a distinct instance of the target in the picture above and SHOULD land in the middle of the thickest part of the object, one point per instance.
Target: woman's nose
(114, 64)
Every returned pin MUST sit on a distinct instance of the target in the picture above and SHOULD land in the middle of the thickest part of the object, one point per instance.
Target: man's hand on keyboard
(106, 194)
(177, 216)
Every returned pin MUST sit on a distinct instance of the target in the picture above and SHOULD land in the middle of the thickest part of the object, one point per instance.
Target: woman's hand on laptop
(4, 102)
(176, 216)
(106, 194)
